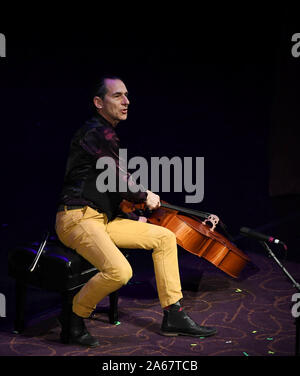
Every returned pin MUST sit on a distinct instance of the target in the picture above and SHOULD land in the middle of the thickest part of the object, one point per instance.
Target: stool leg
(21, 290)
(113, 307)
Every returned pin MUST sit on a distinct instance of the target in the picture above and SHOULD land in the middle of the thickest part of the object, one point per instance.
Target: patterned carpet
(252, 315)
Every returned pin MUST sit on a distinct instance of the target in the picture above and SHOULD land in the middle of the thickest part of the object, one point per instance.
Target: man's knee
(167, 235)
(122, 274)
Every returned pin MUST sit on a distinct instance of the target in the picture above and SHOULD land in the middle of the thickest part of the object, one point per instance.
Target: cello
(194, 235)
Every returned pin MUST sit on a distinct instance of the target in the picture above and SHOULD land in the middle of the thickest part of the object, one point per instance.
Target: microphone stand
(296, 285)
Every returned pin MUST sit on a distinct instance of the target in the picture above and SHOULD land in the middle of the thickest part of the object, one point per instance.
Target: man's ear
(98, 102)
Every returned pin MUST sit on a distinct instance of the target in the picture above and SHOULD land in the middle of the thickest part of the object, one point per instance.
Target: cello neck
(185, 210)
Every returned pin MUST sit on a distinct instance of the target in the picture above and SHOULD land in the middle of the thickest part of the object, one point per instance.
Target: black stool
(54, 268)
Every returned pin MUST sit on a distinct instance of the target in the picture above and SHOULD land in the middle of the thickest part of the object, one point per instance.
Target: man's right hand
(153, 201)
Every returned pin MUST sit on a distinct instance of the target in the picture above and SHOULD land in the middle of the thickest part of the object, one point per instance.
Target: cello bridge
(213, 219)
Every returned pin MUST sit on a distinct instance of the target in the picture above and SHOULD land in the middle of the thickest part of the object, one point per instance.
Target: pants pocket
(66, 220)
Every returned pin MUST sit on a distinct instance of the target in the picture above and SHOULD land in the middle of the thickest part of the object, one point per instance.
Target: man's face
(114, 106)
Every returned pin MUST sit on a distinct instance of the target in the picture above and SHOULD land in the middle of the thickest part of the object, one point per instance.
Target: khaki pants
(89, 233)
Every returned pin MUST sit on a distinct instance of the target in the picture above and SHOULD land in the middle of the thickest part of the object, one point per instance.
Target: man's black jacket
(96, 139)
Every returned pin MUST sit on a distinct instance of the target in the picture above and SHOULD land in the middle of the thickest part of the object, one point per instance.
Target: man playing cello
(87, 221)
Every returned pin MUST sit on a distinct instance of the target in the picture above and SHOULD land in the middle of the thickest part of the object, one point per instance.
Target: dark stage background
(229, 94)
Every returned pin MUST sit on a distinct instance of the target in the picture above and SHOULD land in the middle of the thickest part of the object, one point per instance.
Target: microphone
(257, 235)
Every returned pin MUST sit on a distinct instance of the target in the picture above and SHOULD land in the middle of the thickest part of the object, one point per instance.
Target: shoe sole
(176, 334)
(69, 341)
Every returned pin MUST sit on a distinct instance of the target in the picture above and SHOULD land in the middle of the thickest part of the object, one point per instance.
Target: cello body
(198, 238)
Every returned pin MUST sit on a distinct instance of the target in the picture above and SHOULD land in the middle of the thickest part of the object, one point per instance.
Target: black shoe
(76, 332)
(176, 322)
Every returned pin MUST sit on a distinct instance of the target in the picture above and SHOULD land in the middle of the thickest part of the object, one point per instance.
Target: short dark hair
(100, 88)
